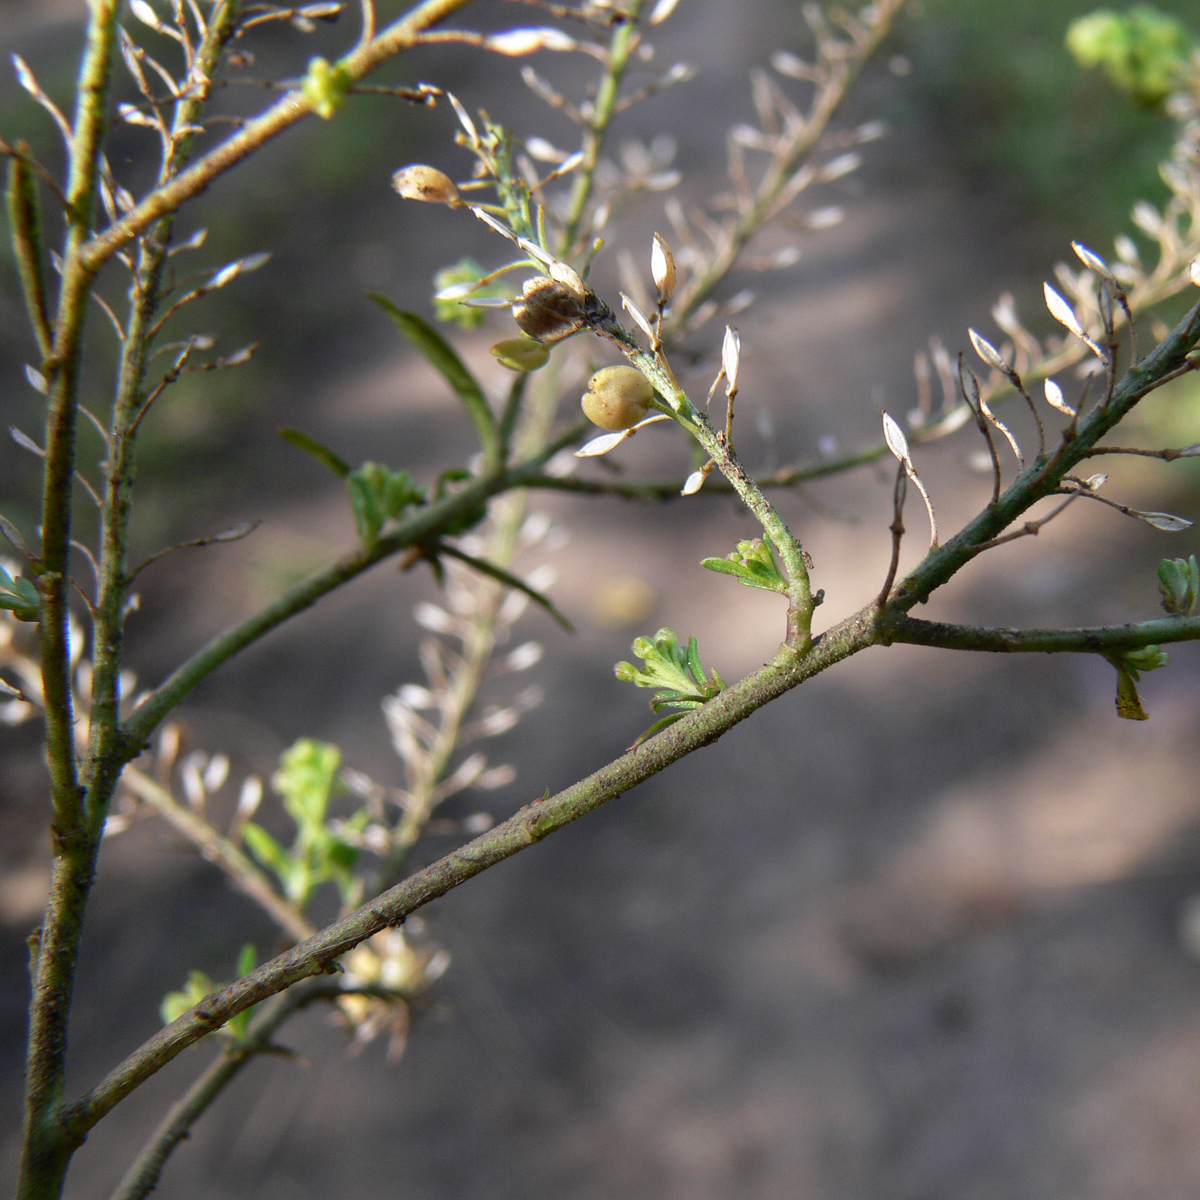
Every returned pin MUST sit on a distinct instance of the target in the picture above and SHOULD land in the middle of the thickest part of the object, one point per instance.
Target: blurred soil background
(922, 929)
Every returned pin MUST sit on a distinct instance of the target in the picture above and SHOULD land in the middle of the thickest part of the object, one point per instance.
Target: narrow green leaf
(247, 959)
(442, 357)
(25, 223)
(1129, 703)
(319, 451)
(265, 848)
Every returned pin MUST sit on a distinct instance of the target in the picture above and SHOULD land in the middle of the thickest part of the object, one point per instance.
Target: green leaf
(175, 1004)
(1129, 667)
(677, 672)
(1143, 51)
(247, 959)
(1129, 703)
(752, 563)
(319, 451)
(443, 358)
(305, 778)
(19, 596)
(266, 849)
(378, 495)
(1179, 585)
(484, 567)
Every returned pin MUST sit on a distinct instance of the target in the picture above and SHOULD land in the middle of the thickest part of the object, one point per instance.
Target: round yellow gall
(617, 397)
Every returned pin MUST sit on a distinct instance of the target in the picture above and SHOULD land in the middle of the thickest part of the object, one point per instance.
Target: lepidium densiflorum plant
(317, 829)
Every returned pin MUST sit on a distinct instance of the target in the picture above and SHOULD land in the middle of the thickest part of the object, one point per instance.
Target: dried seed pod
(419, 182)
(549, 310)
(617, 398)
(662, 267)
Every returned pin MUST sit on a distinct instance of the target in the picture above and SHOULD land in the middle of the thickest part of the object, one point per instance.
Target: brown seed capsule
(418, 182)
(548, 310)
(617, 398)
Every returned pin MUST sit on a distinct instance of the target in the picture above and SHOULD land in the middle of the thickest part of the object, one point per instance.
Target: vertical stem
(45, 1150)
(79, 820)
(624, 41)
(108, 750)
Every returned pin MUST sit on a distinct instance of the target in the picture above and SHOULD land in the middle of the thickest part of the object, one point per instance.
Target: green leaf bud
(325, 86)
(1179, 585)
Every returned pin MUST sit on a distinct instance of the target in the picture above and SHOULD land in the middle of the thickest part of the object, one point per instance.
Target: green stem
(425, 524)
(1043, 476)
(399, 36)
(623, 43)
(532, 823)
(45, 1150)
(1098, 639)
(143, 1174)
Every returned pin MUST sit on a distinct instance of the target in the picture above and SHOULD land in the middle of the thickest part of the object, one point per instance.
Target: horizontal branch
(1096, 639)
(428, 522)
(529, 825)
(1041, 478)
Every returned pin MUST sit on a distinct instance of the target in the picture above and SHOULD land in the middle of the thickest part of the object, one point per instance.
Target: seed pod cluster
(617, 398)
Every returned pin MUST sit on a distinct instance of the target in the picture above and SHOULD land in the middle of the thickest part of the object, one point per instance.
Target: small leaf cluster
(321, 851)
(19, 596)
(379, 495)
(675, 671)
(1129, 667)
(1143, 51)
(199, 985)
(465, 316)
(1179, 585)
(752, 563)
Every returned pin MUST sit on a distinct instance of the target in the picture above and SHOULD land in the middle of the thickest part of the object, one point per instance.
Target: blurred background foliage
(1021, 115)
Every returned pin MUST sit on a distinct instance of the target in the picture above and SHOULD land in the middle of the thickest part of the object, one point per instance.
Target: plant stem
(396, 38)
(532, 823)
(1043, 476)
(143, 1174)
(622, 44)
(427, 522)
(246, 877)
(45, 1151)
(1098, 639)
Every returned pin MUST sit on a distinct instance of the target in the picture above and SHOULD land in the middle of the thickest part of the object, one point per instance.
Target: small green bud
(1179, 585)
(1148, 658)
(626, 672)
(325, 86)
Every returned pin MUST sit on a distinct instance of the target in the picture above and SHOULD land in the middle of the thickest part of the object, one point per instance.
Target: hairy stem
(45, 1151)
(529, 825)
